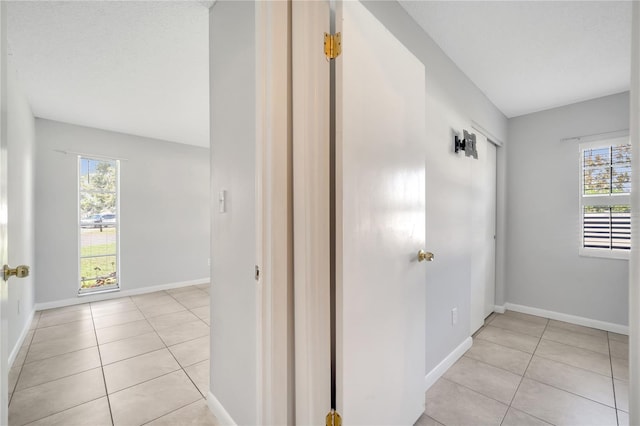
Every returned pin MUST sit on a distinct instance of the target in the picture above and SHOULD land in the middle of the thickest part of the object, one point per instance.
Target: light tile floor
(127, 361)
(145, 360)
(527, 370)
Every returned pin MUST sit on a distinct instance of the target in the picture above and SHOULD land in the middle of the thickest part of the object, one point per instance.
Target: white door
(380, 224)
(4, 356)
(483, 218)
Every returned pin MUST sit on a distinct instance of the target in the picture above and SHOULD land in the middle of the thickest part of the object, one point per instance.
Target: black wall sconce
(466, 144)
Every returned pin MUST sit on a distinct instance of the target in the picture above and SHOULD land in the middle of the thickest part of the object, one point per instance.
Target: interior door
(483, 216)
(380, 224)
(4, 355)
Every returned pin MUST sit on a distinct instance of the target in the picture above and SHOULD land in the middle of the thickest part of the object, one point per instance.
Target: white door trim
(274, 215)
(311, 186)
(634, 264)
(4, 326)
(501, 224)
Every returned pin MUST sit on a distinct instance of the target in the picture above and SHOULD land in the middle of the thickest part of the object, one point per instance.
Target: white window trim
(118, 286)
(599, 200)
(604, 253)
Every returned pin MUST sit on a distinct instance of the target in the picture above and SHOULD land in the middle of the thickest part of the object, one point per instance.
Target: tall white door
(380, 224)
(4, 355)
(483, 219)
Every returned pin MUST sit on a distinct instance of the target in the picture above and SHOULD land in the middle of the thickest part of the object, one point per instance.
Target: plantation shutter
(605, 195)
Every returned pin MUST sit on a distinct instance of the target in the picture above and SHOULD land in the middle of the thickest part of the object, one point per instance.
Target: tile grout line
(63, 377)
(66, 409)
(579, 347)
(491, 365)
(525, 371)
(514, 331)
(542, 356)
(15, 386)
(178, 362)
(35, 328)
(62, 324)
(505, 346)
(150, 351)
(156, 350)
(174, 357)
(548, 325)
(53, 356)
(472, 390)
(582, 333)
(485, 363)
(145, 381)
(63, 411)
(168, 350)
(166, 414)
(570, 365)
(166, 374)
(104, 379)
(605, 338)
(535, 380)
(572, 393)
(613, 382)
(128, 337)
(554, 327)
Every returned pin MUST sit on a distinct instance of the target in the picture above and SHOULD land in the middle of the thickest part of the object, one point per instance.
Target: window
(605, 189)
(98, 207)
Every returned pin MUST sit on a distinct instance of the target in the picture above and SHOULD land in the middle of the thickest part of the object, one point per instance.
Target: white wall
(544, 270)
(453, 102)
(20, 170)
(234, 377)
(164, 208)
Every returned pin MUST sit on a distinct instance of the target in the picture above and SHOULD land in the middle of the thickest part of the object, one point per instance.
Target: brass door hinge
(332, 45)
(333, 418)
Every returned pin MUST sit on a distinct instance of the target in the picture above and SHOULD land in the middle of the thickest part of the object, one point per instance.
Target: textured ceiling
(133, 67)
(142, 67)
(528, 56)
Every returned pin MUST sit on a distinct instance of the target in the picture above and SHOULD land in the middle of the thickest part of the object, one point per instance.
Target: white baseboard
(573, 319)
(224, 419)
(499, 309)
(23, 335)
(117, 294)
(446, 363)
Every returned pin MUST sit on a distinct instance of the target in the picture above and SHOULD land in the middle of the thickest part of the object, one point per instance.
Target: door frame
(634, 262)
(4, 326)
(274, 215)
(496, 148)
(312, 220)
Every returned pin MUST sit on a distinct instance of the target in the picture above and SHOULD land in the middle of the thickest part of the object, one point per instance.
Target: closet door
(483, 217)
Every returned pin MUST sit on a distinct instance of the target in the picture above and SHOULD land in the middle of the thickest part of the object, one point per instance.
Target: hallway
(127, 361)
(145, 360)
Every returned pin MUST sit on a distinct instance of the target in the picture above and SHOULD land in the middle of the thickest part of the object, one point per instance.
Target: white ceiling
(133, 67)
(141, 67)
(528, 56)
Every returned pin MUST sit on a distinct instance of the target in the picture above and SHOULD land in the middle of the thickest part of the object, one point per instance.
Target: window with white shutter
(605, 187)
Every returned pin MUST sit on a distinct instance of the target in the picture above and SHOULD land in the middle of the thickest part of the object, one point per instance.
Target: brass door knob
(425, 255)
(21, 271)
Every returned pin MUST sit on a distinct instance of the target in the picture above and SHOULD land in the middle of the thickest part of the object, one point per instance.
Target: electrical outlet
(18, 307)
(454, 316)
